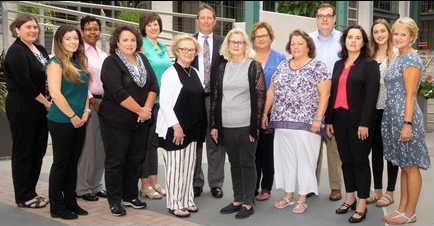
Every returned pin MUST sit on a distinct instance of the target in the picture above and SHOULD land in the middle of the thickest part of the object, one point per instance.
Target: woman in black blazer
(26, 109)
(351, 116)
(130, 88)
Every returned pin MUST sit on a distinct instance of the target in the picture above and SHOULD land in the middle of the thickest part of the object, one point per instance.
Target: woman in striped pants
(181, 124)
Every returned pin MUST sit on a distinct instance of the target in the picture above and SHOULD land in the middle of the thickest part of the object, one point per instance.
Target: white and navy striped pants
(179, 168)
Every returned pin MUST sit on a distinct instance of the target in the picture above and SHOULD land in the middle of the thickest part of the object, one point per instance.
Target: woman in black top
(181, 125)
(26, 109)
(130, 88)
(351, 116)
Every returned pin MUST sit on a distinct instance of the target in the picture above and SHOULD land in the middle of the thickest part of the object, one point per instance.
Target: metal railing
(106, 31)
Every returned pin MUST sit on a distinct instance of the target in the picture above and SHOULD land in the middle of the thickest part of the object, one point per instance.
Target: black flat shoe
(348, 206)
(64, 214)
(231, 208)
(358, 220)
(197, 191)
(89, 197)
(101, 194)
(217, 192)
(244, 213)
(78, 210)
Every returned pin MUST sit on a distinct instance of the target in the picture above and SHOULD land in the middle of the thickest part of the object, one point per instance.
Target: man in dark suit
(207, 62)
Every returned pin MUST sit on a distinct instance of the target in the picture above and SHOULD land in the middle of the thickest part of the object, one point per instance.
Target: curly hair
(114, 38)
(309, 41)
(224, 50)
(260, 25)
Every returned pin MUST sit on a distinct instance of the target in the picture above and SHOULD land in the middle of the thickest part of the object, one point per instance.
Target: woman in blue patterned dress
(402, 126)
(299, 92)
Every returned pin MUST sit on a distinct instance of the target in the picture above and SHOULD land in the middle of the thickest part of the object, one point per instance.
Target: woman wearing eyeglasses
(262, 35)
(181, 125)
(237, 102)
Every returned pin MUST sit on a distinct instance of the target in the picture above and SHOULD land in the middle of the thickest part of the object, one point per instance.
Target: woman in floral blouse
(299, 93)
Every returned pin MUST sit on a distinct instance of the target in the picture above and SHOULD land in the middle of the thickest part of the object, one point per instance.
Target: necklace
(227, 80)
(189, 71)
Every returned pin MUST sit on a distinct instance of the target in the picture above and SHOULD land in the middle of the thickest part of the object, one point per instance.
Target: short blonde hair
(181, 38)
(224, 50)
(409, 24)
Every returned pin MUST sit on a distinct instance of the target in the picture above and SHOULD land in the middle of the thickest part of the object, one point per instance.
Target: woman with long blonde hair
(68, 85)
(382, 50)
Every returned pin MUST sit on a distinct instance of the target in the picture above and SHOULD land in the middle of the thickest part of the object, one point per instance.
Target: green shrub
(128, 16)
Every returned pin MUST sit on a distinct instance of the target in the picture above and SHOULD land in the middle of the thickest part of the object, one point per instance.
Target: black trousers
(241, 153)
(378, 161)
(125, 151)
(150, 163)
(354, 154)
(264, 162)
(29, 137)
(67, 146)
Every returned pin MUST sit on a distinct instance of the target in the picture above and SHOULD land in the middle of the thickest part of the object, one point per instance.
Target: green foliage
(426, 88)
(300, 8)
(33, 10)
(128, 16)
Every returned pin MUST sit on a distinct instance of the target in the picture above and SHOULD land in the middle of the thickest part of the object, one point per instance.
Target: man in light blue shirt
(327, 43)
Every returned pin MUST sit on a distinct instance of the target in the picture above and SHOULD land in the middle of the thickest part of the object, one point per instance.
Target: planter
(5, 137)
(423, 104)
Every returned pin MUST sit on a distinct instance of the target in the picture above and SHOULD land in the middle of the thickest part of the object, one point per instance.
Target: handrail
(120, 8)
(77, 13)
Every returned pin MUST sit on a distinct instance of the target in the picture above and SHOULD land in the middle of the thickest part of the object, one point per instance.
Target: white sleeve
(168, 97)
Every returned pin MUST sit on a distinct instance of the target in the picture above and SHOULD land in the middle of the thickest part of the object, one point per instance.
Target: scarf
(139, 75)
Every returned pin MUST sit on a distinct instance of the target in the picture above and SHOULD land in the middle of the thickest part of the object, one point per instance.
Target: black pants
(265, 162)
(377, 159)
(150, 163)
(241, 153)
(354, 154)
(67, 145)
(29, 137)
(125, 151)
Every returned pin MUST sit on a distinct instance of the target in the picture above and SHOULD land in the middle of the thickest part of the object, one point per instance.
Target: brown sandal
(386, 200)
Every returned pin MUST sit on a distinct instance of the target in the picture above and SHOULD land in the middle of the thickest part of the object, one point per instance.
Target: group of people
(108, 114)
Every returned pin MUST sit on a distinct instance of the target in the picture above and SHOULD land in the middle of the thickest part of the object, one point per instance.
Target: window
(388, 10)
(269, 6)
(352, 12)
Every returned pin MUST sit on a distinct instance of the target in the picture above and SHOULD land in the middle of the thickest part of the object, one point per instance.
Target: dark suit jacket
(216, 60)
(363, 85)
(25, 80)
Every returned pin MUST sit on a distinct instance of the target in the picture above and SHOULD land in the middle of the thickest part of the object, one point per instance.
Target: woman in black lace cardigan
(237, 103)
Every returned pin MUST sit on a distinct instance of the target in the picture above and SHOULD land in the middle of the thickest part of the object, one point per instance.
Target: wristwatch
(407, 122)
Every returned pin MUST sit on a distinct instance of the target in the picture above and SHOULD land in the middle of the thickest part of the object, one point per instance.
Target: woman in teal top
(68, 85)
(150, 27)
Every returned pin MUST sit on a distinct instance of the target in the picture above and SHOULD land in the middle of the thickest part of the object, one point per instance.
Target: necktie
(206, 64)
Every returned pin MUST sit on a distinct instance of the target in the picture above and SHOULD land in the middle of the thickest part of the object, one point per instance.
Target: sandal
(159, 189)
(372, 198)
(36, 202)
(299, 204)
(192, 209)
(406, 220)
(150, 193)
(286, 202)
(264, 195)
(179, 215)
(384, 201)
(390, 216)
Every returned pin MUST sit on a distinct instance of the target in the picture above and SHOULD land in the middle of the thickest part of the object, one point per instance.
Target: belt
(97, 96)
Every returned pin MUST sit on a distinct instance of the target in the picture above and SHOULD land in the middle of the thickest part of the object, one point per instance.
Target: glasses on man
(187, 50)
(328, 16)
(89, 29)
(236, 43)
(259, 37)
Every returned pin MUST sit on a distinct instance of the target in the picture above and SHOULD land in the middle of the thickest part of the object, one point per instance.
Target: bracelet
(407, 122)
(317, 119)
(72, 116)
(88, 110)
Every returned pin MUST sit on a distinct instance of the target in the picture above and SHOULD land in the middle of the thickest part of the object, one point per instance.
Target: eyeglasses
(259, 37)
(236, 43)
(187, 50)
(328, 16)
(92, 29)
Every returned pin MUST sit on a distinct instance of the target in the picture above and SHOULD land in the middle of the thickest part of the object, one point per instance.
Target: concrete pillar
(365, 15)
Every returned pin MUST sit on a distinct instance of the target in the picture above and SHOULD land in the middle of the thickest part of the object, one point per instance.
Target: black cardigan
(118, 85)
(363, 85)
(25, 80)
(257, 98)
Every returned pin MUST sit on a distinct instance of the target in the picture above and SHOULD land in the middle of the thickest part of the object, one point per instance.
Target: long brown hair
(374, 46)
(71, 73)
